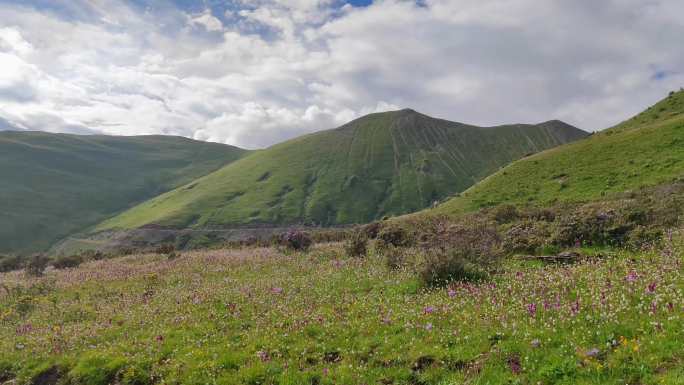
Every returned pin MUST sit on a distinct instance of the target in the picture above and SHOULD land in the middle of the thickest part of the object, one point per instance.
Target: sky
(253, 73)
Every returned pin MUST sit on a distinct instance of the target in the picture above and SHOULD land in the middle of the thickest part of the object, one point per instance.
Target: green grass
(382, 164)
(646, 150)
(257, 316)
(54, 185)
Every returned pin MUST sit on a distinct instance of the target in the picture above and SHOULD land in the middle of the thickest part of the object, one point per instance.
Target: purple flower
(632, 276)
(575, 307)
(263, 356)
(429, 310)
(514, 365)
(451, 293)
(532, 309)
(651, 288)
(593, 352)
(277, 290)
(428, 326)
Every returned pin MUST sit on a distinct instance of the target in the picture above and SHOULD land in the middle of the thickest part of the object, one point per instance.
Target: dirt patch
(50, 376)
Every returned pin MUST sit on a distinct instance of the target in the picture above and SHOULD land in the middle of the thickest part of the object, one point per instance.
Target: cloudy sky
(255, 72)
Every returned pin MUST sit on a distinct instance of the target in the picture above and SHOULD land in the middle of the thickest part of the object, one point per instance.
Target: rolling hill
(56, 184)
(381, 164)
(643, 151)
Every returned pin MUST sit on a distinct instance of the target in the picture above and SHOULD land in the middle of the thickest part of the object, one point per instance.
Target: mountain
(645, 150)
(56, 184)
(381, 164)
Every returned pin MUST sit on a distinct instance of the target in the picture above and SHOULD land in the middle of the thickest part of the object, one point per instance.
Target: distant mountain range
(379, 165)
(53, 185)
(384, 164)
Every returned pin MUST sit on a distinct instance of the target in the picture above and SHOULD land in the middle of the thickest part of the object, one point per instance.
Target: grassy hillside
(382, 164)
(56, 184)
(256, 316)
(643, 151)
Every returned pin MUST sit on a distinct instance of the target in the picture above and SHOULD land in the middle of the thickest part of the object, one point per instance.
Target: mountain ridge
(58, 184)
(589, 169)
(380, 164)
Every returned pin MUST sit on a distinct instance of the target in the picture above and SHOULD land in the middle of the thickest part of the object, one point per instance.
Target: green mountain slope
(381, 164)
(643, 151)
(55, 184)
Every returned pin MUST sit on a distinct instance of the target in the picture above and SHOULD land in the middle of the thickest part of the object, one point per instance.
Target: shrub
(65, 262)
(357, 244)
(526, 237)
(296, 240)
(395, 257)
(394, 235)
(505, 214)
(372, 229)
(643, 238)
(455, 251)
(165, 249)
(442, 266)
(540, 214)
(35, 265)
(10, 263)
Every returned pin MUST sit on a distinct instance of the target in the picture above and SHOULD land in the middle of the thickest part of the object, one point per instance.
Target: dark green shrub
(296, 240)
(35, 265)
(6, 371)
(10, 263)
(356, 245)
(643, 238)
(67, 261)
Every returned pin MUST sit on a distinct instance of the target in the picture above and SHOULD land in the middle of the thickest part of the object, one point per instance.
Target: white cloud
(208, 21)
(270, 70)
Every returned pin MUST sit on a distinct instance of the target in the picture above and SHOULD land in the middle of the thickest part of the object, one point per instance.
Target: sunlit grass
(258, 316)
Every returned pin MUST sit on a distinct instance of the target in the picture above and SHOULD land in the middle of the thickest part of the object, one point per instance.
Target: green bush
(642, 238)
(67, 261)
(10, 263)
(442, 266)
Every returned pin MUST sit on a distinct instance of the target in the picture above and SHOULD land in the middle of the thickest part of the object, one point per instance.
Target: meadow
(270, 316)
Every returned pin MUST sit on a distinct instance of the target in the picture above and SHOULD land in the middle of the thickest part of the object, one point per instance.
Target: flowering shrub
(526, 237)
(393, 234)
(356, 244)
(296, 240)
(454, 252)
